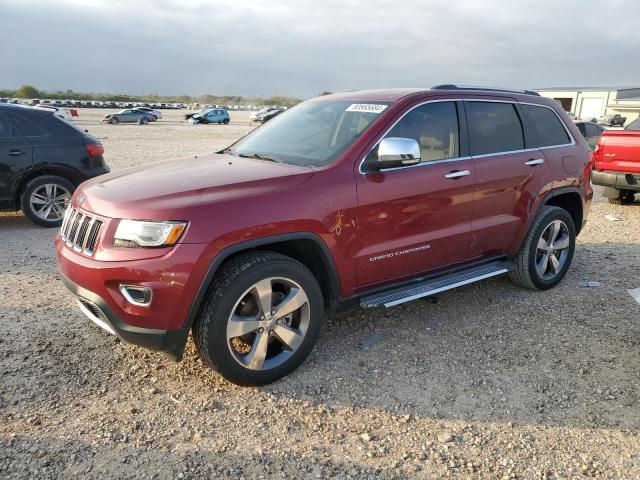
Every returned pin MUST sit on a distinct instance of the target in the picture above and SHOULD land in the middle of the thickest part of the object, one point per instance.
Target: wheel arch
(308, 248)
(39, 171)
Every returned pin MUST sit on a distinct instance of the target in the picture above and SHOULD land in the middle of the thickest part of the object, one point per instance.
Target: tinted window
(29, 127)
(5, 126)
(592, 130)
(544, 128)
(493, 127)
(635, 125)
(435, 127)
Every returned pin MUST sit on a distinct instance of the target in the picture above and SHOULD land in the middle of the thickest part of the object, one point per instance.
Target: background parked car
(63, 113)
(616, 120)
(215, 115)
(265, 114)
(189, 115)
(591, 132)
(152, 111)
(129, 116)
(42, 161)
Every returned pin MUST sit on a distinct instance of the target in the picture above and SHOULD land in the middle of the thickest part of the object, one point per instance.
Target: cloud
(303, 47)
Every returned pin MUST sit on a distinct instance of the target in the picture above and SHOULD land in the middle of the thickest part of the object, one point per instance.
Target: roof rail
(485, 89)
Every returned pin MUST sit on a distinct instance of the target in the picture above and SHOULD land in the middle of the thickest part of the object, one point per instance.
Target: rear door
(16, 155)
(508, 175)
(417, 218)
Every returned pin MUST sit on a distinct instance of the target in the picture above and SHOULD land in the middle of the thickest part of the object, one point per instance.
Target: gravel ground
(486, 381)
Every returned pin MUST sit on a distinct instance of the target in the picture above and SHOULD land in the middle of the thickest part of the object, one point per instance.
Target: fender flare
(35, 171)
(225, 253)
(544, 199)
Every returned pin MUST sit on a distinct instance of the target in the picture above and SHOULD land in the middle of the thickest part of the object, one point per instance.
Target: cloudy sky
(301, 47)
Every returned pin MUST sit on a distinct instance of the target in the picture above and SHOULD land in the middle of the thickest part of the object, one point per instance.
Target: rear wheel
(261, 318)
(625, 197)
(144, 121)
(45, 200)
(547, 251)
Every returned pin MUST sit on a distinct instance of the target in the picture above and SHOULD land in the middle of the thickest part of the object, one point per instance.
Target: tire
(144, 121)
(624, 198)
(532, 270)
(226, 121)
(154, 118)
(55, 190)
(114, 121)
(234, 292)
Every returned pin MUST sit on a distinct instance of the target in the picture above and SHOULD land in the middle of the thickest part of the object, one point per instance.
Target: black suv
(42, 161)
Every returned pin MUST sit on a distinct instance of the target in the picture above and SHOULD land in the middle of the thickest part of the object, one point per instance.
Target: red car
(373, 197)
(617, 165)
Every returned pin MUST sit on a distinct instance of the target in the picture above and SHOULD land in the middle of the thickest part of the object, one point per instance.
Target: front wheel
(226, 121)
(114, 121)
(547, 251)
(145, 121)
(261, 318)
(625, 197)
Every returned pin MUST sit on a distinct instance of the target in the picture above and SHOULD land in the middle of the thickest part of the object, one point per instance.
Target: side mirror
(396, 152)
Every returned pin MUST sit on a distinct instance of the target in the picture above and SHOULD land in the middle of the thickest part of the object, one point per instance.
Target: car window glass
(592, 130)
(435, 127)
(544, 128)
(5, 127)
(635, 125)
(581, 127)
(28, 127)
(494, 127)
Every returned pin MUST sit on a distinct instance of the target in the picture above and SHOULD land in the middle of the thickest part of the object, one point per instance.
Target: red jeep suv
(378, 197)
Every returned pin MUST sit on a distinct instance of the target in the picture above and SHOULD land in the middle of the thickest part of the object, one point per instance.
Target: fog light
(136, 295)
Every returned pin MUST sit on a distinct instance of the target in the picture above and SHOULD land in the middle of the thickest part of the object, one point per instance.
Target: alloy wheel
(552, 249)
(50, 201)
(268, 323)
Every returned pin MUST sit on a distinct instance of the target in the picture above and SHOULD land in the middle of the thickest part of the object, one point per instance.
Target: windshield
(310, 134)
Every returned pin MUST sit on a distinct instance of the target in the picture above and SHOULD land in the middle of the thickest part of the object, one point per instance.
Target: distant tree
(27, 91)
(326, 92)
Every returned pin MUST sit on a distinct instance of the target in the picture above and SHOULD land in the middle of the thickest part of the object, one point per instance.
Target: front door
(15, 156)
(417, 218)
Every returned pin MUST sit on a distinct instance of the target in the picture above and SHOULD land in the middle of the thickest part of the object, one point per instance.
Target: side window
(5, 126)
(435, 127)
(544, 128)
(28, 127)
(582, 129)
(494, 127)
(592, 130)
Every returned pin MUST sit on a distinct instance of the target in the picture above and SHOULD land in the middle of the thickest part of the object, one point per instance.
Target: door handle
(457, 174)
(534, 161)
(16, 153)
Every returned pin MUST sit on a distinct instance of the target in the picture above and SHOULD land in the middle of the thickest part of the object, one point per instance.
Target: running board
(435, 285)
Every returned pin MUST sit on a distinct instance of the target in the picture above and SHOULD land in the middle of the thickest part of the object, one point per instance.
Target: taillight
(73, 112)
(95, 150)
(598, 154)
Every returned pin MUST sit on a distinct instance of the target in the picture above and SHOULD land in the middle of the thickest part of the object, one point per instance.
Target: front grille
(80, 231)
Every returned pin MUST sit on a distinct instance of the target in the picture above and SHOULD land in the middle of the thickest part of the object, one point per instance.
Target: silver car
(130, 115)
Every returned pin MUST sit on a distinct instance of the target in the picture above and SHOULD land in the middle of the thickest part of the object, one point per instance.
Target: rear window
(635, 125)
(494, 127)
(544, 128)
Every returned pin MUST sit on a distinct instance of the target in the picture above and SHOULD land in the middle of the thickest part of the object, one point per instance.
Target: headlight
(138, 233)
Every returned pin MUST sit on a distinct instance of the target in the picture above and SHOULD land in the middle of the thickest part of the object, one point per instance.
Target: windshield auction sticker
(366, 107)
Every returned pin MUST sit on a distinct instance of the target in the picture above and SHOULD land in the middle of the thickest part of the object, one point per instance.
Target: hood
(159, 190)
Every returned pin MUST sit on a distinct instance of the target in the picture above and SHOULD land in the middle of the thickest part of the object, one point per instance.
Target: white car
(63, 113)
(152, 111)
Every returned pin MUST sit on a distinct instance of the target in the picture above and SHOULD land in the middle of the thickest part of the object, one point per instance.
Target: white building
(594, 102)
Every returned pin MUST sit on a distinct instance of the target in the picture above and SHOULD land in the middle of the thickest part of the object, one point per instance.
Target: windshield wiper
(258, 156)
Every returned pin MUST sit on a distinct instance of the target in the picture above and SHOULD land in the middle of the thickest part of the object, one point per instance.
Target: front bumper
(169, 342)
(174, 278)
(617, 180)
